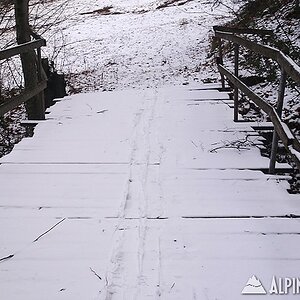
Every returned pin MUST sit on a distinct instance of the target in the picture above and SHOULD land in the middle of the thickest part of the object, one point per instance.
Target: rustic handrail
(22, 97)
(20, 49)
(27, 93)
(244, 30)
(285, 62)
(288, 67)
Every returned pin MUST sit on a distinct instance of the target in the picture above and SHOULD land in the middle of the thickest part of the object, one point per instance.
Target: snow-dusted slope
(141, 46)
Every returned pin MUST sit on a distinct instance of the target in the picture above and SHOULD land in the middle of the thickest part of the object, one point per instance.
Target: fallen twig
(7, 257)
(48, 230)
(12, 255)
(102, 111)
(94, 272)
(239, 145)
(228, 147)
(194, 144)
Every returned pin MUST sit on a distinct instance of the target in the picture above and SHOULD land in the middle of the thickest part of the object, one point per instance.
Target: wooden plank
(31, 122)
(16, 50)
(23, 97)
(243, 30)
(263, 128)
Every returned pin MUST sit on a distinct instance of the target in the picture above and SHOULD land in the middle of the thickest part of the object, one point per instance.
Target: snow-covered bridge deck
(132, 195)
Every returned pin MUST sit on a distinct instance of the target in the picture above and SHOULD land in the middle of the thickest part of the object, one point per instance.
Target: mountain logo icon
(254, 287)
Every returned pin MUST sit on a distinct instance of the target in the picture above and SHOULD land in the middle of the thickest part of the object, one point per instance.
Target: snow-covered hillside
(104, 45)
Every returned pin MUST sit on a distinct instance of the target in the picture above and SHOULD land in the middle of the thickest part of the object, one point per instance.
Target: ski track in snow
(134, 206)
(153, 215)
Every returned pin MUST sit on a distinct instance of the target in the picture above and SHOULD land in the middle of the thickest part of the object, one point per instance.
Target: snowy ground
(135, 195)
(142, 46)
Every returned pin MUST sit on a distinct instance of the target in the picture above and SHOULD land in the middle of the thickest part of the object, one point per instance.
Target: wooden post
(279, 112)
(236, 90)
(220, 47)
(41, 95)
(39, 64)
(35, 106)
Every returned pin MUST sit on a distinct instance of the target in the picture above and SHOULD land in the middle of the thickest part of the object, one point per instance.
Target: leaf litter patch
(107, 10)
(110, 10)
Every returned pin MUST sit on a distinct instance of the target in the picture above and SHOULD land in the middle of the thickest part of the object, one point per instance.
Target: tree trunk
(35, 106)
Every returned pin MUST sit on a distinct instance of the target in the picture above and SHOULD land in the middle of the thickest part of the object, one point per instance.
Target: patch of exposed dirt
(110, 10)
(169, 3)
(107, 10)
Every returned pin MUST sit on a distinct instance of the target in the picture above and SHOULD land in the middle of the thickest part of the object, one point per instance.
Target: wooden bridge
(144, 195)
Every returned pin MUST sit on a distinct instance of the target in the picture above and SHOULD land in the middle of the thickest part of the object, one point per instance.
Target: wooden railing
(288, 68)
(27, 93)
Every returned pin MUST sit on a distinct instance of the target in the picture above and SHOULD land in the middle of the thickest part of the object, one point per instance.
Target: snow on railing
(288, 68)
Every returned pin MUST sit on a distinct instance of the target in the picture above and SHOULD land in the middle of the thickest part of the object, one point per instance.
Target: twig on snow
(194, 144)
(49, 230)
(7, 257)
(94, 272)
(12, 255)
(239, 145)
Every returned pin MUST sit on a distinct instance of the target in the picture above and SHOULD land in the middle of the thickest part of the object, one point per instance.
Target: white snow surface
(142, 46)
(141, 194)
(132, 195)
